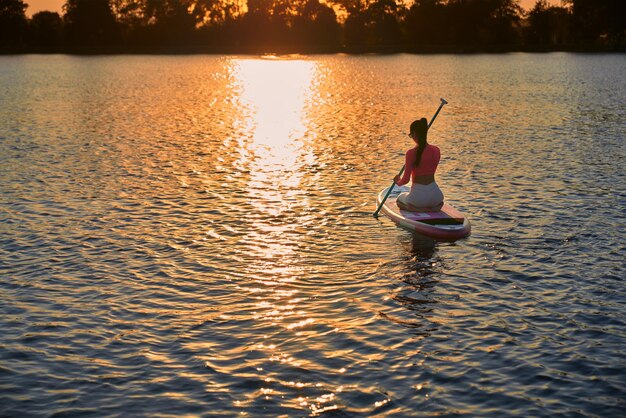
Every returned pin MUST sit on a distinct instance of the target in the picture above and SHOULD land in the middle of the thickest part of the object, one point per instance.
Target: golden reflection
(301, 323)
(274, 92)
(274, 95)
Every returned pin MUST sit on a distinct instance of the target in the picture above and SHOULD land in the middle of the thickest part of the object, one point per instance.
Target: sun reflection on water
(274, 95)
(274, 92)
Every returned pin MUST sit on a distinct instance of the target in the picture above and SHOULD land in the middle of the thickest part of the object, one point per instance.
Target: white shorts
(422, 195)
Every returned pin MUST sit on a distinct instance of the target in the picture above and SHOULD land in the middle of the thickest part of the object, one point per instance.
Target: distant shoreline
(209, 50)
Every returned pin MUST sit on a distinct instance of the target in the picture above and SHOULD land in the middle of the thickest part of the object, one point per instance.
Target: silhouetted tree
(355, 31)
(547, 25)
(46, 29)
(13, 23)
(599, 20)
(483, 22)
(129, 13)
(131, 18)
(251, 27)
(383, 22)
(216, 11)
(425, 23)
(90, 23)
(312, 25)
(503, 23)
(316, 26)
(375, 26)
(171, 21)
(266, 26)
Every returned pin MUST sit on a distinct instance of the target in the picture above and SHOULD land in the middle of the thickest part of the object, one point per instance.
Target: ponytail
(420, 128)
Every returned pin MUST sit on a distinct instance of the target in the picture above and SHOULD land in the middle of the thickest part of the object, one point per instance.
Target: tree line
(282, 26)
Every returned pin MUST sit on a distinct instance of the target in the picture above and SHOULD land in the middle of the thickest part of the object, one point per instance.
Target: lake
(193, 236)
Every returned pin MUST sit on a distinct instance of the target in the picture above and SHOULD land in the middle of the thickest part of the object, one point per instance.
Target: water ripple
(193, 236)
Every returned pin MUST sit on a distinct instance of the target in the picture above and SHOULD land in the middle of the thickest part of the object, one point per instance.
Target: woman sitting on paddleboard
(421, 164)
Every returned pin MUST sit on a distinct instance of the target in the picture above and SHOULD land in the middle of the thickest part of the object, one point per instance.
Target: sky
(35, 6)
(56, 5)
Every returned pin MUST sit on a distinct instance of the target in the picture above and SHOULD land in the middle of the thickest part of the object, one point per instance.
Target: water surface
(193, 236)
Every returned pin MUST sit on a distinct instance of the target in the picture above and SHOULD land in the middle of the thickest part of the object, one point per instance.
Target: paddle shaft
(443, 102)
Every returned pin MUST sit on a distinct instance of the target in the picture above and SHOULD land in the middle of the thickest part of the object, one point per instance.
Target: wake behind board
(448, 223)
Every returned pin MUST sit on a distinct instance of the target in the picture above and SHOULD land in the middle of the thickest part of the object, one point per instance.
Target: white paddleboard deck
(447, 223)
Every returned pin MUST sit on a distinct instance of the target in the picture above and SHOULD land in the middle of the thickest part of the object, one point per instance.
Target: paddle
(443, 102)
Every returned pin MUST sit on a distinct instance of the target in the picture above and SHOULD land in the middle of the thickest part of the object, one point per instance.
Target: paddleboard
(447, 223)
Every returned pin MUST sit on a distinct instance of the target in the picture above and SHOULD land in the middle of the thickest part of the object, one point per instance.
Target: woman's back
(428, 163)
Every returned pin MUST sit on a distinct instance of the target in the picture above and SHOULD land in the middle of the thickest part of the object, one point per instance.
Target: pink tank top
(427, 166)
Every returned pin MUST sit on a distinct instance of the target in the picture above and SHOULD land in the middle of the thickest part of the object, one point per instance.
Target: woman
(421, 164)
